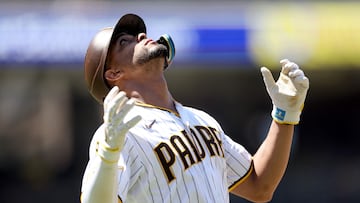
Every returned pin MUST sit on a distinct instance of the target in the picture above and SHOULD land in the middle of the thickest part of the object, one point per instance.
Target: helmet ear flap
(166, 40)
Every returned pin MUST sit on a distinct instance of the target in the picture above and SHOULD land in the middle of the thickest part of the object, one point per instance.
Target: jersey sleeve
(130, 170)
(127, 167)
(238, 161)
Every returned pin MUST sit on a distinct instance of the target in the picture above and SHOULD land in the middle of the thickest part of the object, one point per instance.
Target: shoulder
(200, 117)
(198, 112)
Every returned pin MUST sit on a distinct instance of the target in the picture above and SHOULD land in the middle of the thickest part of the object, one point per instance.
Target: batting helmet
(97, 52)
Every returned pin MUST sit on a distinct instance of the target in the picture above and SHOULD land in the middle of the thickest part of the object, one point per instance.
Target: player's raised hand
(288, 93)
(116, 107)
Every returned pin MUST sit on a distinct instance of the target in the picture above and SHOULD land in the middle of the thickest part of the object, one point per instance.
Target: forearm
(271, 159)
(100, 182)
(101, 176)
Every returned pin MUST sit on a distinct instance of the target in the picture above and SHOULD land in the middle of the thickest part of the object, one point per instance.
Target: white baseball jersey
(183, 157)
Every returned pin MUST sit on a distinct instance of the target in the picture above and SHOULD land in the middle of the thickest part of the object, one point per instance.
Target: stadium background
(47, 117)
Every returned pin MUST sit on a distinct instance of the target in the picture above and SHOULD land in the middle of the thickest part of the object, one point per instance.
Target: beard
(158, 51)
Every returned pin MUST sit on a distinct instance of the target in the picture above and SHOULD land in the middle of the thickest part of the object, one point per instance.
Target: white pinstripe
(143, 178)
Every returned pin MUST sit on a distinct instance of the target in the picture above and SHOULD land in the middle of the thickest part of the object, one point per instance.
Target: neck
(153, 91)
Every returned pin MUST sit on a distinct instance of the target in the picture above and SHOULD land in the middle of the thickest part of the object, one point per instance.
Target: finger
(284, 61)
(299, 78)
(128, 125)
(268, 78)
(111, 95)
(296, 73)
(116, 103)
(131, 123)
(119, 116)
(119, 100)
(288, 66)
(302, 82)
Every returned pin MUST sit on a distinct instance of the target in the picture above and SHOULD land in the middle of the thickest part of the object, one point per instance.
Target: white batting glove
(288, 93)
(116, 107)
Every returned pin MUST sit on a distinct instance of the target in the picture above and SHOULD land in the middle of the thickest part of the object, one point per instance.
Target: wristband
(282, 116)
(106, 153)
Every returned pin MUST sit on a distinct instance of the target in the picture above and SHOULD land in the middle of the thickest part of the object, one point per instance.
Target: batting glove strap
(106, 153)
(285, 117)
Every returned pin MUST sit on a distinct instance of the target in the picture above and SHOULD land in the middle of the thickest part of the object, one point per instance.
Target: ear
(112, 75)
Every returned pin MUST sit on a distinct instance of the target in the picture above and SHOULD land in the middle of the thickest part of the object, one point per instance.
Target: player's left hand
(288, 93)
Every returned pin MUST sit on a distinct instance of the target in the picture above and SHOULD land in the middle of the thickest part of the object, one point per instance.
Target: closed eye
(125, 40)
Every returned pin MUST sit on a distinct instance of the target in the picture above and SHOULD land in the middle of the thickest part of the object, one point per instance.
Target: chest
(171, 145)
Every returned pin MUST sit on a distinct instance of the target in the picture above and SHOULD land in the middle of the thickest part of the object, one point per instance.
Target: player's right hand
(116, 107)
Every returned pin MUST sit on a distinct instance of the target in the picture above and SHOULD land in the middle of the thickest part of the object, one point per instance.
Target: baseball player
(151, 148)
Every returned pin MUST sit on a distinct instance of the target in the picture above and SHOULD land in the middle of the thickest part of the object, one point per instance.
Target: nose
(141, 36)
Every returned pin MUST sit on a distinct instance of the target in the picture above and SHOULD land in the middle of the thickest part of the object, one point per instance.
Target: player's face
(131, 51)
(148, 49)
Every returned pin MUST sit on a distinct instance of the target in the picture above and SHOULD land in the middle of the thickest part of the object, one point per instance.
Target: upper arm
(248, 189)
(244, 187)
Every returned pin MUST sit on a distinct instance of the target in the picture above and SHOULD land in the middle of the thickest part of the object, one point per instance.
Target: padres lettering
(190, 148)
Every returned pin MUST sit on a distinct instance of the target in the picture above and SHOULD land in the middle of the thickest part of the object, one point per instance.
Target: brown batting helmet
(97, 52)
